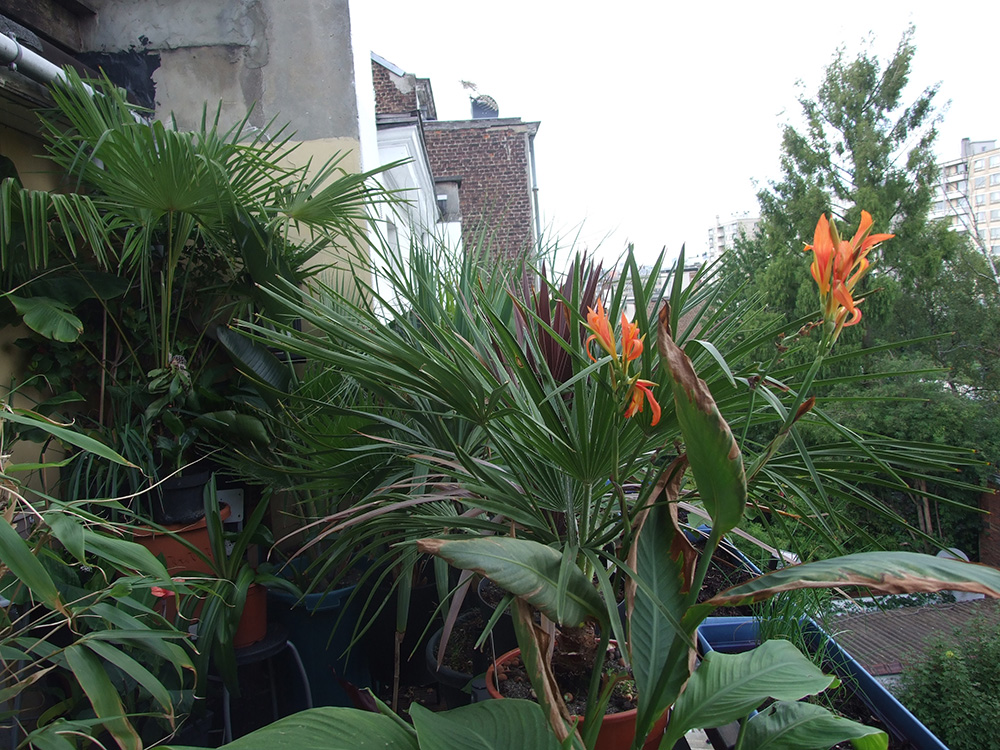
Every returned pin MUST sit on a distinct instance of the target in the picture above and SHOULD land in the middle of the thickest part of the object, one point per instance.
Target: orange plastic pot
(253, 621)
(617, 730)
(178, 557)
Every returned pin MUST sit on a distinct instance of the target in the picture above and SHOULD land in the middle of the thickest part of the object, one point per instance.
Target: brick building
(483, 167)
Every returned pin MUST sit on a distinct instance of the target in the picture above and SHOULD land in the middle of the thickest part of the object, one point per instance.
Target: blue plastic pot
(321, 627)
(735, 634)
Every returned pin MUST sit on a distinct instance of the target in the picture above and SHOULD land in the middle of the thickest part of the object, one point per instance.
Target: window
(980, 183)
(995, 233)
(995, 178)
(981, 199)
(981, 217)
(995, 161)
(995, 214)
(995, 196)
(962, 186)
(979, 164)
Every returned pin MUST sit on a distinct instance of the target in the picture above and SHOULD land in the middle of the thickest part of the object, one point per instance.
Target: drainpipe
(28, 63)
(534, 188)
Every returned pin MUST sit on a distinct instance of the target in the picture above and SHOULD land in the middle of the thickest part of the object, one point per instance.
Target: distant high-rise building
(723, 235)
(968, 195)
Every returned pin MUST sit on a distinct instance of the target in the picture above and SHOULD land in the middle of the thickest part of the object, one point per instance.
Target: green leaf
(328, 728)
(95, 683)
(489, 725)
(727, 687)
(885, 572)
(135, 670)
(69, 531)
(18, 557)
(804, 726)
(526, 569)
(127, 555)
(48, 317)
(712, 452)
(29, 419)
(660, 647)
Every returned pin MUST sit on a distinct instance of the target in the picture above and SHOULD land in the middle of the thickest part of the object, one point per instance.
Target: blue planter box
(735, 634)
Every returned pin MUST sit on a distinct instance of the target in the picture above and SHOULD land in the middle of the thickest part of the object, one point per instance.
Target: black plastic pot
(182, 499)
(455, 687)
(504, 638)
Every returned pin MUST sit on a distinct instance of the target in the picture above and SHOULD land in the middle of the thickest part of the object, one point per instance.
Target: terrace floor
(883, 642)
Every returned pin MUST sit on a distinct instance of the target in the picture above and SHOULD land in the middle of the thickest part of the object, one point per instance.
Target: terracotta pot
(617, 730)
(253, 621)
(177, 556)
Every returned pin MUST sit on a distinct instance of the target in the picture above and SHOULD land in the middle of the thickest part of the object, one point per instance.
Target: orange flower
(641, 391)
(838, 266)
(597, 321)
(631, 340)
(160, 592)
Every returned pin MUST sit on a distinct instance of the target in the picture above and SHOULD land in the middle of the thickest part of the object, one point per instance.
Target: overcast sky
(656, 116)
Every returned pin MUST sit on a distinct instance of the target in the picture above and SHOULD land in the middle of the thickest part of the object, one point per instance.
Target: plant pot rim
(179, 528)
(504, 658)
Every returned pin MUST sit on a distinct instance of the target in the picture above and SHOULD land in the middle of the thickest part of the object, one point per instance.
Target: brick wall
(492, 159)
(394, 95)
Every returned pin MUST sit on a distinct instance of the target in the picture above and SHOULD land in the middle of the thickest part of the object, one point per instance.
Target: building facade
(723, 235)
(968, 195)
(483, 168)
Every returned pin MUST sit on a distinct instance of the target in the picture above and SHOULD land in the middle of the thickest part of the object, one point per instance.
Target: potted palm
(539, 505)
(167, 239)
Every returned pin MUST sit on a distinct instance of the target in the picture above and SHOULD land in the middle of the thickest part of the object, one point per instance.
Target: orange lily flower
(642, 391)
(631, 340)
(597, 321)
(839, 265)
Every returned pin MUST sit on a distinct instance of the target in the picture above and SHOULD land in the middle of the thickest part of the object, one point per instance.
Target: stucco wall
(289, 59)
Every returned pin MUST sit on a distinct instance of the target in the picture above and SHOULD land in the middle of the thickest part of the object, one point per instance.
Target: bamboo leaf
(18, 557)
(95, 683)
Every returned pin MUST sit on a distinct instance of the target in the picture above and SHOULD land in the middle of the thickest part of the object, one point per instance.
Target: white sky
(656, 116)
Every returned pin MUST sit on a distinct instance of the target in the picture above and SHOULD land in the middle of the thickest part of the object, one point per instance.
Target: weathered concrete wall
(289, 59)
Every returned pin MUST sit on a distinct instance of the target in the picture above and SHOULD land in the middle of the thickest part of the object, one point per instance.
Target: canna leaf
(727, 687)
(715, 459)
(804, 726)
(528, 570)
(884, 572)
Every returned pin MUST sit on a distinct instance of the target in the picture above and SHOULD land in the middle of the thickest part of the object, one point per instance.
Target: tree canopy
(863, 145)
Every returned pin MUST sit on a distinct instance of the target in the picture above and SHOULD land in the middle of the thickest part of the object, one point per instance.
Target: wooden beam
(56, 20)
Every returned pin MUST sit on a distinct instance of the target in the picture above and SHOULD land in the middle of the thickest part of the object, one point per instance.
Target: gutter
(30, 64)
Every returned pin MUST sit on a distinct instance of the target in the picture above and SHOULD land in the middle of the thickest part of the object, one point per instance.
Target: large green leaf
(19, 558)
(884, 572)
(727, 687)
(712, 452)
(490, 725)
(804, 726)
(50, 318)
(328, 728)
(528, 570)
(662, 650)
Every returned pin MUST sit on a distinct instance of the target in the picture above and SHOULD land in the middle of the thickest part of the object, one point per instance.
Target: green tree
(864, 146)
